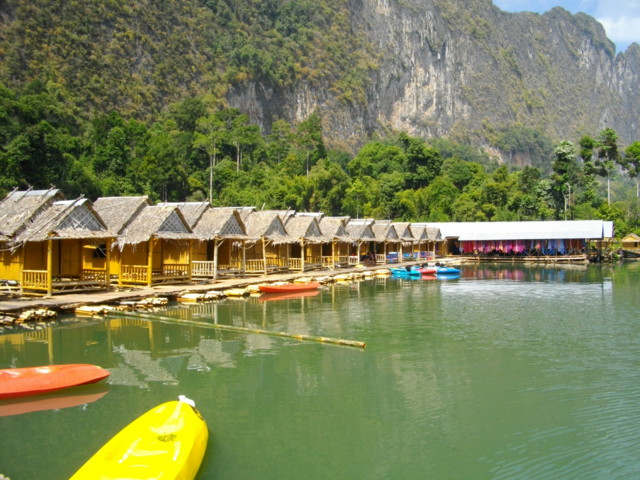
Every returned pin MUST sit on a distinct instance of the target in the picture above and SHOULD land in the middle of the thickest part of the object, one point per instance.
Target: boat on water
(290, 287)
(20, 382)
(428, 270)
(58, 400)
(447, 271)
(403, 272)
(169, 442)
(288, 295)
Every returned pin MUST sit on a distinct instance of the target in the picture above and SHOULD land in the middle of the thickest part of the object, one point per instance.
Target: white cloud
(622, 30)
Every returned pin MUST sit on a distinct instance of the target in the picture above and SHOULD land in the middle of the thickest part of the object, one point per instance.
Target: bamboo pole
(311, 338)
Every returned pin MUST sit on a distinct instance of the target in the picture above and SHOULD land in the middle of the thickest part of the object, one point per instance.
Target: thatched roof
(385, 232)
(19, 208)
(404, 231)
(360, 230)
(221, 222)
(434, 235)
(419, 232)
(266, 224)
(305, 227)
(118, 212)
(66, 219)
(192, 211)
(335, 228)
(156, 222)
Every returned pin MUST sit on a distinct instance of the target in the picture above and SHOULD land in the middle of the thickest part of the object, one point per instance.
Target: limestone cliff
(462, 67)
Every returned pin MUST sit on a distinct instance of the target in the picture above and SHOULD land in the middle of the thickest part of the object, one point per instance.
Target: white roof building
(539, 230)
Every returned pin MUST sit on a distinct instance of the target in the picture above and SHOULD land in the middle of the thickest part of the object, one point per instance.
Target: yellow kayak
(167, 442)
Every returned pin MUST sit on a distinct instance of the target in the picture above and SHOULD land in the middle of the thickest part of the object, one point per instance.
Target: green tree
(608, 156)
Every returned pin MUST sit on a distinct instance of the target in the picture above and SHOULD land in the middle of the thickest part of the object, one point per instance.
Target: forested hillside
(416, 110)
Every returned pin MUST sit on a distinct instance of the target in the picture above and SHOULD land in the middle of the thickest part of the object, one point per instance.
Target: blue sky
(620, 18)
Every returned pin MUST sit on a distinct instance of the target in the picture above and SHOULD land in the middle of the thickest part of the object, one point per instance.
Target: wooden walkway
(70, 301)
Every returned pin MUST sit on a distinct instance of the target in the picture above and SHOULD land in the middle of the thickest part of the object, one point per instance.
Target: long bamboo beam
(233, 328)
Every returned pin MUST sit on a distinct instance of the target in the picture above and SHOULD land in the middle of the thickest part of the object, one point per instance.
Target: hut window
(100, 251)
(81, 219)
(173, 224)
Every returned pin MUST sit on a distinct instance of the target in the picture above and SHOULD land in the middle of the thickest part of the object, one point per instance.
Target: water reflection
(502, 373)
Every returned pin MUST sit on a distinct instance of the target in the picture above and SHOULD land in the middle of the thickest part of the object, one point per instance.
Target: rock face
(463, 67)
(459, 68)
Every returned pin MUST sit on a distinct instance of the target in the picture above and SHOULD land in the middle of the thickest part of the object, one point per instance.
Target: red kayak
(290, 287)
(19, 382)
(428, 270)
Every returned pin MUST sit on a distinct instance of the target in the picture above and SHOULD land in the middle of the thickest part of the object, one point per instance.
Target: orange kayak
(290, 287)
(19, 382)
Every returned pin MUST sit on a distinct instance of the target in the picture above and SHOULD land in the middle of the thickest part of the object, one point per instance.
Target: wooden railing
(327, 261)
(380, 258)
(175, 270)
(254, 266)
(95, 275)
(202, 269)
(133, 274)
(34, 280)
(295, 264)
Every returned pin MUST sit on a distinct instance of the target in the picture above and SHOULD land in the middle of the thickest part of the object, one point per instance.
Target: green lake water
(503, 373)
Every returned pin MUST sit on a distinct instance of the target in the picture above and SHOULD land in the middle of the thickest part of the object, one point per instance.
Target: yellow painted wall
(35, 256)
(200, 251)
(134, 254)
(173, 252)
(10, 265)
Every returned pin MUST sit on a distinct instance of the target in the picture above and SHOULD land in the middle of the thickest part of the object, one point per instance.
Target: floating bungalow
(335, 251)
(17, 210)
(631, 246)
(306, 240)
(59, 246)
(537, 240)
(153, 244)
(387, 240)
(267, 242)
(362, 236)
(220, 245)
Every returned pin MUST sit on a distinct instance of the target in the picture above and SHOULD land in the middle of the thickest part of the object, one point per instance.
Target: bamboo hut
(387, 240)
(420, 242)
(435, 241)
(305, 249)
(406, 240)
(335, 252)
(17, 211)
(220, 245)
(65, 248)
(631, 246)
(266, 248)
(361, 233)
(153, 244)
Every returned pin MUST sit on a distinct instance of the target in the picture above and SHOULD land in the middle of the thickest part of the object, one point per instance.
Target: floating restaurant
(50, 245)
(561, 240)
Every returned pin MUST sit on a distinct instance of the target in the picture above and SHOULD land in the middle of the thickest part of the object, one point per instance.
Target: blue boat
(447, 271)
(404, 273)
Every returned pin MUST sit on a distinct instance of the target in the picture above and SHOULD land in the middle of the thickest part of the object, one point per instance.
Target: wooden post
(150, 262)
(50, 266)
(333, 254)
(244, 257)
(264, 255)
(190, 253)
(215, 258)
(107, 266)
(303, 254)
